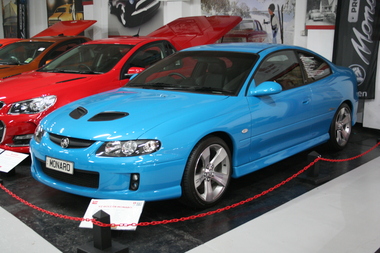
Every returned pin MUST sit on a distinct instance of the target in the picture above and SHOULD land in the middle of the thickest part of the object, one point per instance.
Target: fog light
(134, 182)
(22, 139)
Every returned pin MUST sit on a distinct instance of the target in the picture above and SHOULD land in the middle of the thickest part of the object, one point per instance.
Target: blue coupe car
(187, 125)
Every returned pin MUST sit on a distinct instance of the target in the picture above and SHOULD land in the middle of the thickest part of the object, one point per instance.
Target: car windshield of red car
(88, 59)
(21, 53)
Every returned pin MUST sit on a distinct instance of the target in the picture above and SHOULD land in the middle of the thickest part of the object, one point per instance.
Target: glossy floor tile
(340, 216)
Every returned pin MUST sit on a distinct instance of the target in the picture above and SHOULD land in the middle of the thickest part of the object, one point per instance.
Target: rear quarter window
(315, 68)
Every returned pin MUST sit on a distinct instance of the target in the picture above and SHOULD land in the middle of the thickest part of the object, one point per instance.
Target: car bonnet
(35, 84)
(129, 113)
(197, 30)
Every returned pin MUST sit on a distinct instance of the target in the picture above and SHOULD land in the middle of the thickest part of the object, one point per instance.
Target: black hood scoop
(108, 116)
(78, 113)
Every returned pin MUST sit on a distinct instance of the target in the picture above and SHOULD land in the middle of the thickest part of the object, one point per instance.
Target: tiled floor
(337, 216)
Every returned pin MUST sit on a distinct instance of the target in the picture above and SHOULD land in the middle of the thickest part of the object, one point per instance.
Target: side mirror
(264, 89)
(133, 71)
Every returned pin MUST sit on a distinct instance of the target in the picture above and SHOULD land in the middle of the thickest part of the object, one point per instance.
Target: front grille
(80, 177)
(73, 142)
(2, 131)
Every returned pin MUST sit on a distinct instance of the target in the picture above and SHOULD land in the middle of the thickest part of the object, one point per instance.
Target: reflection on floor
(338, 216)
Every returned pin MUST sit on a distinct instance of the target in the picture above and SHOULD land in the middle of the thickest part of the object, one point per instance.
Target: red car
(24, 55)
(6, 41)
(246, 31)
(91, 68)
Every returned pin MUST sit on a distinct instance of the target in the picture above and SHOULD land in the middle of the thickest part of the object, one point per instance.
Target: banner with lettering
(355, 45)
(22, 26)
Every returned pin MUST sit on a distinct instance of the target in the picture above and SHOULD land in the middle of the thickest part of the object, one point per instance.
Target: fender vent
(108, 116)
(78, 113)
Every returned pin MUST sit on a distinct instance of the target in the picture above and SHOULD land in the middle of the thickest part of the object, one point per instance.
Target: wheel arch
(352, 108)
(226, 138)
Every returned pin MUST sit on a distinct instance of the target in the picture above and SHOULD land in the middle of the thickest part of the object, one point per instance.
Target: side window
(315, 67)
(147, 56)
(281, 67)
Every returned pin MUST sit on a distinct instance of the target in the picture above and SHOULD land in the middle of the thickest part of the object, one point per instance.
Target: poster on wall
(14, 18)
(321, 14)
(9, 8)
(132, 17)
(269, 21)
(354, 45)
(64, 10)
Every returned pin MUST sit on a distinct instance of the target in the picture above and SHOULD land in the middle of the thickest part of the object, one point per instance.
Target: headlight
(129, 148)
(34, 105)
(38, 134)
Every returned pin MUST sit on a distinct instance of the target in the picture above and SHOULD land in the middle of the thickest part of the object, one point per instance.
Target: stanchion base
(115, 248)
(320, 179)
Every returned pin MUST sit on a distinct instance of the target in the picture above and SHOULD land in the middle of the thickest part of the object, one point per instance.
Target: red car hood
(198, 30)
(6, 41)
(35, 85)
(66, 28)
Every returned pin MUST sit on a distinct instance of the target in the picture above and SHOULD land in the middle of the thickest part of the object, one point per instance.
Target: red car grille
(2, 131)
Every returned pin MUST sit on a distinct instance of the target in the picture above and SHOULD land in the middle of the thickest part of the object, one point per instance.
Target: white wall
(37, 13)
(320, 41)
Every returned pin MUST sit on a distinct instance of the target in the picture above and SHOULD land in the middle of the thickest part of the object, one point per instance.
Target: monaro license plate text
(60, 165)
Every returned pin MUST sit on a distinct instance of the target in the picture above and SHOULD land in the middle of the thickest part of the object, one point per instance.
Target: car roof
(248, 47)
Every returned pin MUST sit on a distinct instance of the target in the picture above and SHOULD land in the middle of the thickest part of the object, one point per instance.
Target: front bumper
(16, 131)
(107, 177)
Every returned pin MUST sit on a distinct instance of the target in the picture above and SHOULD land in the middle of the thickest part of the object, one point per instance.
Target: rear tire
(340, 129)
(207, 173)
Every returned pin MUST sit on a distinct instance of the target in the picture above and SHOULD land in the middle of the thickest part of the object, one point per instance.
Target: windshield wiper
(153, 85)
(60, 70)
(211, 89)
(9, 63)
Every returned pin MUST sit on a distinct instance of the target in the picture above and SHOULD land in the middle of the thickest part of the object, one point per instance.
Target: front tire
(207, 173)
(340, 129)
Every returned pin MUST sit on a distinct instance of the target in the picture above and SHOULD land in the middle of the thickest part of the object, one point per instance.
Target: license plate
(60, 165)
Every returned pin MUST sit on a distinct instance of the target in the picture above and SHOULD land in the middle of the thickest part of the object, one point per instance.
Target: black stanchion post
(314, 171)
(313, 175)
(102, 237)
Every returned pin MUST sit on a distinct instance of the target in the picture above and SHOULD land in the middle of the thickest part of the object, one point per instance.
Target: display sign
(120, 211)
(10, 159)
(354, 43)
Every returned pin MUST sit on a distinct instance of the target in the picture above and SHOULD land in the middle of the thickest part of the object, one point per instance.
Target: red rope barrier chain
(192, 217)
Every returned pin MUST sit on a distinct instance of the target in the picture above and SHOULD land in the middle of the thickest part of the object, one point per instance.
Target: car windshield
(211, 72)
(88, 59)
(21, 53)
(245, 25)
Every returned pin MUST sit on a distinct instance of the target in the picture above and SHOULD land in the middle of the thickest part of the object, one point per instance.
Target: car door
(325, 96)
(279, 121)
